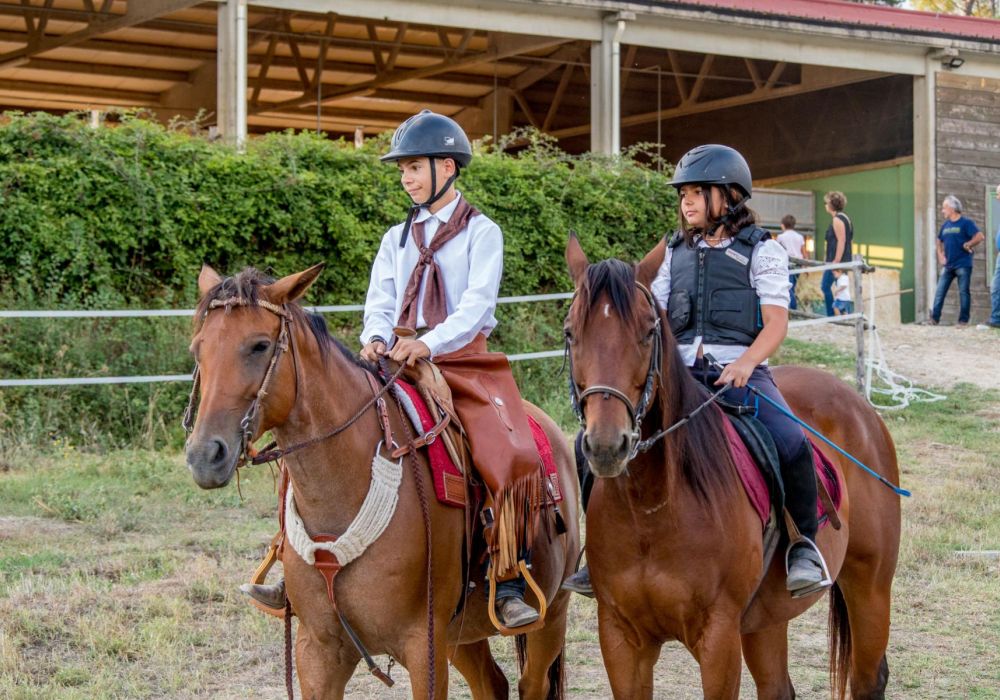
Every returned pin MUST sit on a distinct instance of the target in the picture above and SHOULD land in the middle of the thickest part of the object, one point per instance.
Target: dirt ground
(930, 356)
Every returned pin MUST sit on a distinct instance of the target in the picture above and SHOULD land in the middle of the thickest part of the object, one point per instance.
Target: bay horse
(673, 543)
(319, 384)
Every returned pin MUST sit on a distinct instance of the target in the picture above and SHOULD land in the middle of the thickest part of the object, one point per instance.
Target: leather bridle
(638, 411)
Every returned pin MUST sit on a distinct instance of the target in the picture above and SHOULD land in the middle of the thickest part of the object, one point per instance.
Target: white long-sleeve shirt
(768, 276)
(471, 264)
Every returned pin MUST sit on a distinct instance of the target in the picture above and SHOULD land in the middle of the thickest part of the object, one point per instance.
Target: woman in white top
(724, 282)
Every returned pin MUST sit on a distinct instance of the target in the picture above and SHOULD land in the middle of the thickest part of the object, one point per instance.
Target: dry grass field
(118, 577)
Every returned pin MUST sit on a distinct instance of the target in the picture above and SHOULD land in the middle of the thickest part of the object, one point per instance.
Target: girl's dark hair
(732, 198)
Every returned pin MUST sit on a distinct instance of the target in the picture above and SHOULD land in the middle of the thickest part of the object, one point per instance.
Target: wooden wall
(968, 160)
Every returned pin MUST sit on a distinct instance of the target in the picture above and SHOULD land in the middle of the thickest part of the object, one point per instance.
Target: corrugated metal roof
(838, 12)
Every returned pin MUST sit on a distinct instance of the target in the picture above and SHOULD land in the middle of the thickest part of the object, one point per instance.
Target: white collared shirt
(471, 263)
(768, 276)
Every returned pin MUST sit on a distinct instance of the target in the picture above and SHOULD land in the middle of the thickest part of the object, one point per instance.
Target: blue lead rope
(900, 491)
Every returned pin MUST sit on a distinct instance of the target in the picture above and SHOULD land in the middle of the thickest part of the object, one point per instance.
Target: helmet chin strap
(731, 210)
(412, 213)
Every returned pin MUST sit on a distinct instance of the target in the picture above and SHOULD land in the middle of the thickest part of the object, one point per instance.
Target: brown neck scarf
(435, 308)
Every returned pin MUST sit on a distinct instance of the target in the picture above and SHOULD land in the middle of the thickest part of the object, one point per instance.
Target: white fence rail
(857, 318)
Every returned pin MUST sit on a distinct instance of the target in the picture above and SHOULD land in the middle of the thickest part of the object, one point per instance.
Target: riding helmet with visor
(429, 135)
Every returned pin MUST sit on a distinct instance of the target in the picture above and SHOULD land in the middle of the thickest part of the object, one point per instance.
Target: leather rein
(251, 419)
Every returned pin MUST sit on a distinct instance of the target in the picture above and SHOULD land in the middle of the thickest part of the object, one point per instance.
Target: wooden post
(859, 323)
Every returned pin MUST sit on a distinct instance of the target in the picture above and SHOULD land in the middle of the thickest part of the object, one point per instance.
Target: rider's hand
(372, 350)
(409, 350)
(737, 372)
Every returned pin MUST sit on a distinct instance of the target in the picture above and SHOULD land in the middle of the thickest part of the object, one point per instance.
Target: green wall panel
(880, 204)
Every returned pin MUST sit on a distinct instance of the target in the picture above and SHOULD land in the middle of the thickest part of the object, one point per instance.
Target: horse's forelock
(613, 279)
(247, 284)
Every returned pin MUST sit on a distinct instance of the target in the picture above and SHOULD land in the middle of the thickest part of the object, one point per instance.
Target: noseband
(250, 420)
(637, 412)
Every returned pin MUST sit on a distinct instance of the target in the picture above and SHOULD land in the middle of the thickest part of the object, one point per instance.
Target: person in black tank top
(839, 240)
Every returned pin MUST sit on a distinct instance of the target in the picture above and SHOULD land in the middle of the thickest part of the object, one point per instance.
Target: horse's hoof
(514, 612)
(272, 596)
(579, 583)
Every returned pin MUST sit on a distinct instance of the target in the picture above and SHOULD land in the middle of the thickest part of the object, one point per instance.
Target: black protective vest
(710, 292)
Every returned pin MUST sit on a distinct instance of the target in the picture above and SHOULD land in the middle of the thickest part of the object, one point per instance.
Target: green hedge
(124, 216)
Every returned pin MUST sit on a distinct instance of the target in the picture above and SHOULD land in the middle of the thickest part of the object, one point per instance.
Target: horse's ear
(576, 259)
(208, 279)
(290, 288)
(645, 271)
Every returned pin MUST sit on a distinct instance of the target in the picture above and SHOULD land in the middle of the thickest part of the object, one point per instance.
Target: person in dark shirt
(955, 241)
(839, 240)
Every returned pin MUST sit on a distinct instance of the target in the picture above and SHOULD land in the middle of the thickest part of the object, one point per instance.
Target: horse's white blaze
(607, 310)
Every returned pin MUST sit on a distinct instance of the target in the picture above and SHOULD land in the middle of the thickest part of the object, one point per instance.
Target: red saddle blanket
(756, 487)
(449, 483)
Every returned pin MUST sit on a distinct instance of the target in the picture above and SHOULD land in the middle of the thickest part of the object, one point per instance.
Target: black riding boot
(580, 581)
(805, 567)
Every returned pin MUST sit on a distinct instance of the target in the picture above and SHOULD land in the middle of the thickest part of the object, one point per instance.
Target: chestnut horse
(673, 542)
(316, 386)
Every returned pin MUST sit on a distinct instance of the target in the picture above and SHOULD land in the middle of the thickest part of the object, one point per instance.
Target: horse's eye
(568, 334)
(259, 347)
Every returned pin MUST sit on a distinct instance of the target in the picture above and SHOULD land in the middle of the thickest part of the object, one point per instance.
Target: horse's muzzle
(607, 454)
(211, 461)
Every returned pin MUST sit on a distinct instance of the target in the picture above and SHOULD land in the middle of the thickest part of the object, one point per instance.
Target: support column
(605, 85)
(231, 62)
(924, 190)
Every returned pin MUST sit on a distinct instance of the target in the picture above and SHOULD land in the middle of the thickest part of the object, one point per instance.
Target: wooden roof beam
(107, 70)
(509, 46)
(129, 97)
(137, 12)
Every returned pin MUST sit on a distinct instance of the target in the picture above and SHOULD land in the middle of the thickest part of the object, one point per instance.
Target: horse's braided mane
(247, 284)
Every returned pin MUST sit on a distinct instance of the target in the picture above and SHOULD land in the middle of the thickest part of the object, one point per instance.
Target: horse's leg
(543, 649)
(476, 664)
(719, 656)
(324, 667)
(867, 595)
(766, 654)
(414, 658)
(629, 663)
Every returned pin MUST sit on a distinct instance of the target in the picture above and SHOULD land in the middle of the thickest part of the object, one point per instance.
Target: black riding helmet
(432, 136)
(713, 164)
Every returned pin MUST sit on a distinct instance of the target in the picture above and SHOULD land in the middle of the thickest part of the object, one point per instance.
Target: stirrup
(492, 602)
(825, 581)
(261, 573)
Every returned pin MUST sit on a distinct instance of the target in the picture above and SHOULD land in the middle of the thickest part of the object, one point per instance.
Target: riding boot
(580, 581)
(804, 561)
(511, 609)
(271, 596)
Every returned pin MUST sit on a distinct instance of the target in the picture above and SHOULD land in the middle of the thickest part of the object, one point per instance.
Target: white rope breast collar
(376, 512)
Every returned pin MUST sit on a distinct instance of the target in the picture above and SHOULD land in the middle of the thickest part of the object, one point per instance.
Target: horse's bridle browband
(638, 412)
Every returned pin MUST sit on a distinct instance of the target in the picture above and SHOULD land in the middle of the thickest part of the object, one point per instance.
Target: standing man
(955, 242)
(794, 244)
(994, 321)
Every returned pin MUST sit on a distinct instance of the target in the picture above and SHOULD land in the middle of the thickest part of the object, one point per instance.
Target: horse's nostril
(221, 451)
(586, 444)
(623, 448)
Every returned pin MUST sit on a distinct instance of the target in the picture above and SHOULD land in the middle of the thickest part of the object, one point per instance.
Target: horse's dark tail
(520, 652)
(557, 678)
(556, 673)
(840, 643)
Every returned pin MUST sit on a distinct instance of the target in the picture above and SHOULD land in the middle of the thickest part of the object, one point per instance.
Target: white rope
(370, 522)
(899, 389)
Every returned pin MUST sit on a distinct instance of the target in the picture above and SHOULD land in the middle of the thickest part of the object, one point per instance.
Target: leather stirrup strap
(831, 512)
